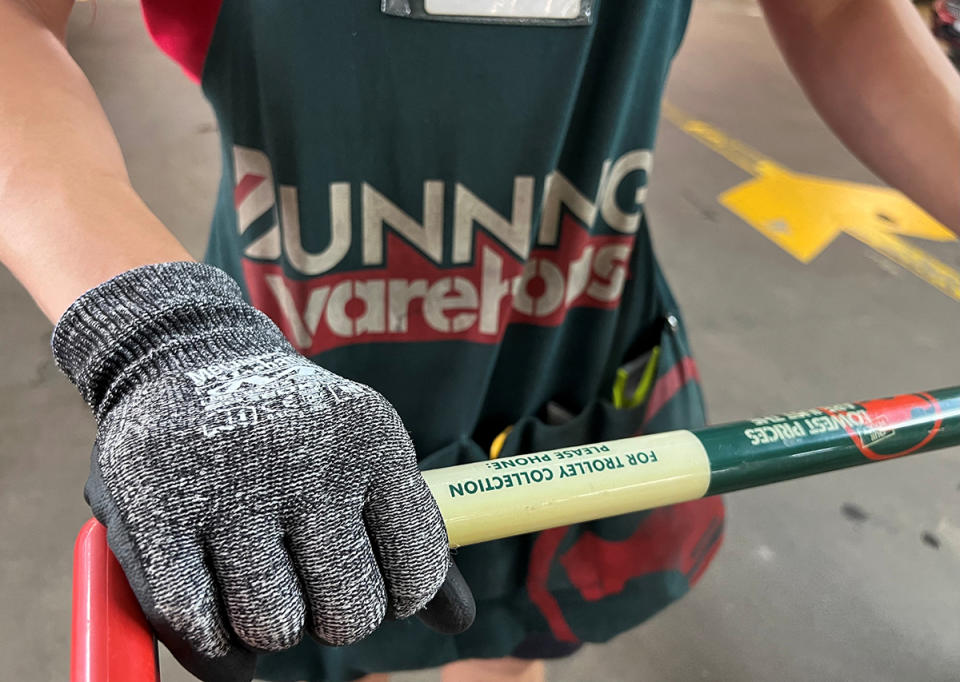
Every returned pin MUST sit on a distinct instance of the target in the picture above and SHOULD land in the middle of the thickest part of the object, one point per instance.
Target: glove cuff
(156, 318)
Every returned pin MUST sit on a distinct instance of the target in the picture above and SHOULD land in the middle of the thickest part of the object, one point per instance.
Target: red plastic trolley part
(111, 640)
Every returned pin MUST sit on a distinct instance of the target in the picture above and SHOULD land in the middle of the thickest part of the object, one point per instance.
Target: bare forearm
(877, 77)
(69, 218)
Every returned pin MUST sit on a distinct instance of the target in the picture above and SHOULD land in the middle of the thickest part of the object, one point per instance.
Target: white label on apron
(514, 9)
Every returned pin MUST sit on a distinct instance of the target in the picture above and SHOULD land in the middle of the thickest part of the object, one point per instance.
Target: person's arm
(238, 523)
(69, 218)
(877, 77)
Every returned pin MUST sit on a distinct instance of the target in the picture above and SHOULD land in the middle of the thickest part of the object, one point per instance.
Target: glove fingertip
(238, 665)
(453, 609)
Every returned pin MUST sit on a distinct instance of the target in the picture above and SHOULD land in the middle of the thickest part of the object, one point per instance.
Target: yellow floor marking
(932, 270)
(803, 214)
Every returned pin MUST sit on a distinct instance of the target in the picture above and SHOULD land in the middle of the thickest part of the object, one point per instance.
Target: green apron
(453, 214)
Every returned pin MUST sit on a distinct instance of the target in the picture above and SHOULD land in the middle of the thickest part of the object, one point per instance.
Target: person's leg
(494, 670)
(482, 670)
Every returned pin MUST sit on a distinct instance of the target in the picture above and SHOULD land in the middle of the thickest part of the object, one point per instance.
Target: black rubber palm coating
(453, 609)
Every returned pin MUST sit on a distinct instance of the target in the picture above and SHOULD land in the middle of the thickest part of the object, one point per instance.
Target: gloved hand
(248, 494)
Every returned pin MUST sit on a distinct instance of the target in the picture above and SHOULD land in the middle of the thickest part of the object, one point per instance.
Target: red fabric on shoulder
(183, 29)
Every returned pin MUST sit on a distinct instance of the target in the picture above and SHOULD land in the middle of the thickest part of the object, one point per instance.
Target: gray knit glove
(248, 494)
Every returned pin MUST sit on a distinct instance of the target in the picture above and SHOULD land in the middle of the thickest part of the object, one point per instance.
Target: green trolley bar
(503, 497)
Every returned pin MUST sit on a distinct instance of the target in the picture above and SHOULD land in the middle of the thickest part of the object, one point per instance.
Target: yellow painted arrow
(803, 214)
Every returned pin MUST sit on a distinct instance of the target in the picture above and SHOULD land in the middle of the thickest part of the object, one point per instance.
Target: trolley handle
(111, 640)
(493, 499)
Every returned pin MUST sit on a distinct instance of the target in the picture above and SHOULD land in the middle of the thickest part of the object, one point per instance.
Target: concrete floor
(801, 590)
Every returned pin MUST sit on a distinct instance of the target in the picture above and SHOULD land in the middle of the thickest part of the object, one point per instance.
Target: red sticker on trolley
(889, 427)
